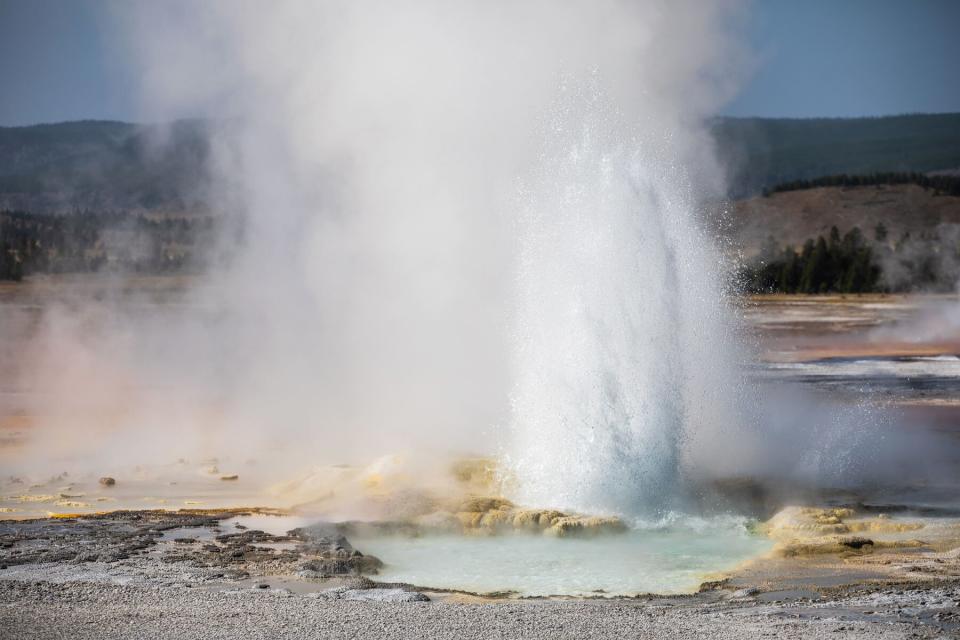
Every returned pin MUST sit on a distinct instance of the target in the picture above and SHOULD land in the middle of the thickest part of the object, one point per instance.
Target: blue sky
(852, 58)
(56, 63)
(835, 58)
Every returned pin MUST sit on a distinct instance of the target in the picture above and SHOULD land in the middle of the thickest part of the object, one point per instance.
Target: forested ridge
(940, 184)
(92, 241)
(858, 263)
(762, 152)
(90, 196)
(118, 165)
(824, 265)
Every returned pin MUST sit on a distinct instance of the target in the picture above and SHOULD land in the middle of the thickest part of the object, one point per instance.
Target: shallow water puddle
(274, 525)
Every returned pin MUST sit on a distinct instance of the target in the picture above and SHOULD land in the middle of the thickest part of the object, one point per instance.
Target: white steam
(455, 227)
(465, 227)
(374, 151)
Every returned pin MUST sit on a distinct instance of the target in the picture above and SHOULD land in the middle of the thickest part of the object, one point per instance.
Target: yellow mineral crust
(811, 530)
(839, 544)
(484, 504)
(478, 474)
(535, 519)
(883, 526)
(585, 525)
(487, 516)
(460, 497)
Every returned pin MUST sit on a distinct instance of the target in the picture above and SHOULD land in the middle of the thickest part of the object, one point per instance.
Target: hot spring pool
(666, 560)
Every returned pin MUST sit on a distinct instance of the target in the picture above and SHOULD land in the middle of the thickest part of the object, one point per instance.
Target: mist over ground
(447, 230)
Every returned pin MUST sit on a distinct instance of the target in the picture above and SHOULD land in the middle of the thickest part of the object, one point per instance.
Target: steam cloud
(373, 153)
(391, 166)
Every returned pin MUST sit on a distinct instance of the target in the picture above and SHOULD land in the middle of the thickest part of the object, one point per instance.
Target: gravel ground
(79, 610)
(188, 575)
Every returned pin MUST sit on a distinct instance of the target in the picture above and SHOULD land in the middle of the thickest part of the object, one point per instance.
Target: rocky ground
(196, 574)
(91, 610)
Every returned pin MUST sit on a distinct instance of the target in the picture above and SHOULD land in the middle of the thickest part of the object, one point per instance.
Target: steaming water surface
(666, 560)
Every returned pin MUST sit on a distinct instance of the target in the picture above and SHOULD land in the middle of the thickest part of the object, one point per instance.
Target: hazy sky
(58, 60)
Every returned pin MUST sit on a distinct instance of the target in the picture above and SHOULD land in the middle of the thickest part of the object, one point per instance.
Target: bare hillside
(792, 217)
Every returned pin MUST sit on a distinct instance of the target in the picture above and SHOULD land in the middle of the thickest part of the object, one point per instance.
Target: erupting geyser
(466, 227)
(621, 330)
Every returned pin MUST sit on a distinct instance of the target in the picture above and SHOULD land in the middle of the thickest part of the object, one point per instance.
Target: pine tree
(880, 232)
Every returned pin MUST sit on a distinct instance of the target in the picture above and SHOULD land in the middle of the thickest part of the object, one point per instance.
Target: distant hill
(117, 165)
(762, 152)
(142, 187)
(99, 165)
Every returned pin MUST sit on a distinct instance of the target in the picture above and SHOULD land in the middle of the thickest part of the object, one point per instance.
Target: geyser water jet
(621, 334)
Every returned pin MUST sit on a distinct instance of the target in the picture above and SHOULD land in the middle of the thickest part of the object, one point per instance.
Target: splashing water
(620, 319)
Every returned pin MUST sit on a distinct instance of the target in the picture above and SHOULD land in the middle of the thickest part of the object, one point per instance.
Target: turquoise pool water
(663, 560)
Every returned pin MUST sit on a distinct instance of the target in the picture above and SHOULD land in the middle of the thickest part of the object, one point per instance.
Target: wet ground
(875, 338)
